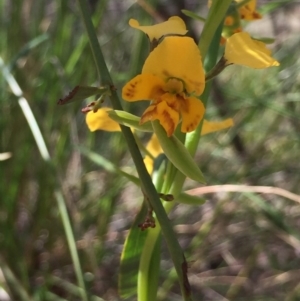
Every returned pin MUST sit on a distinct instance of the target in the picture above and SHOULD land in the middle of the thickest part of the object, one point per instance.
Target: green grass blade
(107, 165)
(130, 257)
(13, 281)
(215, 16)
(36, 132)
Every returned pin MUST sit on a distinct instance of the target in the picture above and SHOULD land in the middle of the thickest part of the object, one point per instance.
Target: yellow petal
(174, 25)
(241, 49)
(100, 121)
(167, 116)
(177, 57)
(154, 149)
(211, 126)
(192, 111)
(248, 11)
(148, 161)
(143, 87)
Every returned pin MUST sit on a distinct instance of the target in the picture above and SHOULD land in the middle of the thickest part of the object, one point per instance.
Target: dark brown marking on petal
(171, 125)
(149, 115)
(256, 15)
(194, 123)
(166, 73)
(133, 85)
(130, 92)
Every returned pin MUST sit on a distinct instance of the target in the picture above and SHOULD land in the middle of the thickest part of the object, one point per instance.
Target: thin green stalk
(192, 141)
(41, 144)
(146, 182)
(26, 111)
(71, 241)
(13, 281)
(215, 17)
(145, 261)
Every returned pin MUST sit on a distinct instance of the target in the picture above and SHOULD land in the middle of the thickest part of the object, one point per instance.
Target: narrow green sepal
(80, 93)
(130, 120)
(193, 15)
(265, 40)
(188, 199)
(107, 165)
(177, 153)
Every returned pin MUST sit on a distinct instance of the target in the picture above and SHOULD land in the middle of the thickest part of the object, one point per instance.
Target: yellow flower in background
(248, 11)
(174, 25)
(154, 148)
(232, 23)
(101, 121)
(215, 126)
(241, 49)
(208, 127)
(172, 78)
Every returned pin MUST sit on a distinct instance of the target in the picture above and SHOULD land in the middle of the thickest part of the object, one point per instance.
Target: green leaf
(215, 17)
(147, 290)
(80, 93)
(107, 165)
(192, 15)
(265, 40)
(177, 154)
(129, 120)
(188, 199)
(130, 258)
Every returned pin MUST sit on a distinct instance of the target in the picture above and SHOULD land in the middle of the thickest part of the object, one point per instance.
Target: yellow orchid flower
(232, 23)
(241, 49)
(174, 25)
(101, 121)
(171, 78)
(248, 11)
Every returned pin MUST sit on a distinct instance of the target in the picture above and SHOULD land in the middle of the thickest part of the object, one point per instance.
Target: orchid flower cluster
(173, 80)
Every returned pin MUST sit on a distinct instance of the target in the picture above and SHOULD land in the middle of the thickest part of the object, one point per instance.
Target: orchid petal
(174, 25)
(192, 112)
(143, 87)
(101, 121)
(215, 126)
(167, 116)
(241, 49)
(177, 57)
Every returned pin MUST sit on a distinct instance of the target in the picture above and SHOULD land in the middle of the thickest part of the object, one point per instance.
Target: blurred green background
(239, 246)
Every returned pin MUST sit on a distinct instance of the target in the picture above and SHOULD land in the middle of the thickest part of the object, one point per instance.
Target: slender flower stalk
(146, 182)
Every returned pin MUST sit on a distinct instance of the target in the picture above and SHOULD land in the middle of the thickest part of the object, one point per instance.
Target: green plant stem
(215, 17)
(145, 261)
(146, 182)
(41, 144)
(177, 179)
(216, 70)
(11, 279)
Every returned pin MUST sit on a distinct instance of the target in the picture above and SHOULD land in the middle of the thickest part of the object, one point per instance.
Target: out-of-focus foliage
(240, 246)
